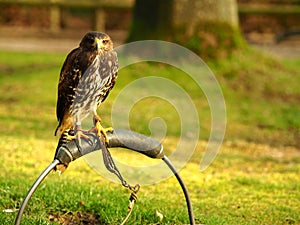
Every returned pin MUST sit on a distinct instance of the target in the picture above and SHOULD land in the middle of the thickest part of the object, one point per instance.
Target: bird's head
(97, 41)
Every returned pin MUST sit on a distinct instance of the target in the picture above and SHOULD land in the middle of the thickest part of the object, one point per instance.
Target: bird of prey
(86, 78)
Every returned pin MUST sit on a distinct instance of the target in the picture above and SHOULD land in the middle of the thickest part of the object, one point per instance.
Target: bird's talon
(103, 131)
(69, 136)
(79, 133)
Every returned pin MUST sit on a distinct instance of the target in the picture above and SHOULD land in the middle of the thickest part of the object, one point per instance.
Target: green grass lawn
(254, 180)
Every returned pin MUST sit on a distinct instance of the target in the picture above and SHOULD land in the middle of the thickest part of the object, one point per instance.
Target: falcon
(86, 78)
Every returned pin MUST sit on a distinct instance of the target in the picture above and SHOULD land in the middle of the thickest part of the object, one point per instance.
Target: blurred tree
(208, 27)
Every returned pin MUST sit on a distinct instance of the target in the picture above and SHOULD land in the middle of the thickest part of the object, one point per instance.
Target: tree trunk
(191, 11)
(151, 20)
(208, 27)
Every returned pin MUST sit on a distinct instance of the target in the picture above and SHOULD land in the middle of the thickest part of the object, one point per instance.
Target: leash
(132, 199)
(111, 167)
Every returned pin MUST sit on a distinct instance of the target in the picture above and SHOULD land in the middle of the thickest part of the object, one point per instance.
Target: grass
(263, 97)
(254, 180)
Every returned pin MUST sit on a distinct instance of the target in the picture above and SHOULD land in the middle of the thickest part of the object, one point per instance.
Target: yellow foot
(70, 136)
(76, 134)
(103, 131)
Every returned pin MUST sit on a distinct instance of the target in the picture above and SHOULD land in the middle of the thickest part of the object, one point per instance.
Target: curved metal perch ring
(118, 138)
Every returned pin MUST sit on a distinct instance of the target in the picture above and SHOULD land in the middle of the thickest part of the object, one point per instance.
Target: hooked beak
(98, 44)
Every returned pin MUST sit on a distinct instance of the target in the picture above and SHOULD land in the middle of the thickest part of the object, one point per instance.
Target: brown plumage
(88, 74)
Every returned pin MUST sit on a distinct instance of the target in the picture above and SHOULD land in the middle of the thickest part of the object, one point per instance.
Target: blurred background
(272, 25)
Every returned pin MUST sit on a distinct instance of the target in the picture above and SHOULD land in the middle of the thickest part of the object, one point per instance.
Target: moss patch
(210, 40)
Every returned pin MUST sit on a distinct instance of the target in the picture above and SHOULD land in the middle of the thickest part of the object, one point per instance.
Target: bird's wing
(68, 81)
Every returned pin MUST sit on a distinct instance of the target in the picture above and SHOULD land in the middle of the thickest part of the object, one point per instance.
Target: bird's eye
(105, 41)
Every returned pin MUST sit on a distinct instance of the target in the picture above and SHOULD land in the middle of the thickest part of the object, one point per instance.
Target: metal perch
(118, 138)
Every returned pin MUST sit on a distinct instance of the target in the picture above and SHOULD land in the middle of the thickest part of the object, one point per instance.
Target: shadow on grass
(72, 218)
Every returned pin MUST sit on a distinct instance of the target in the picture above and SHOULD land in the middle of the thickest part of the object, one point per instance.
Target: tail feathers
(62, 131)
(62, 140)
